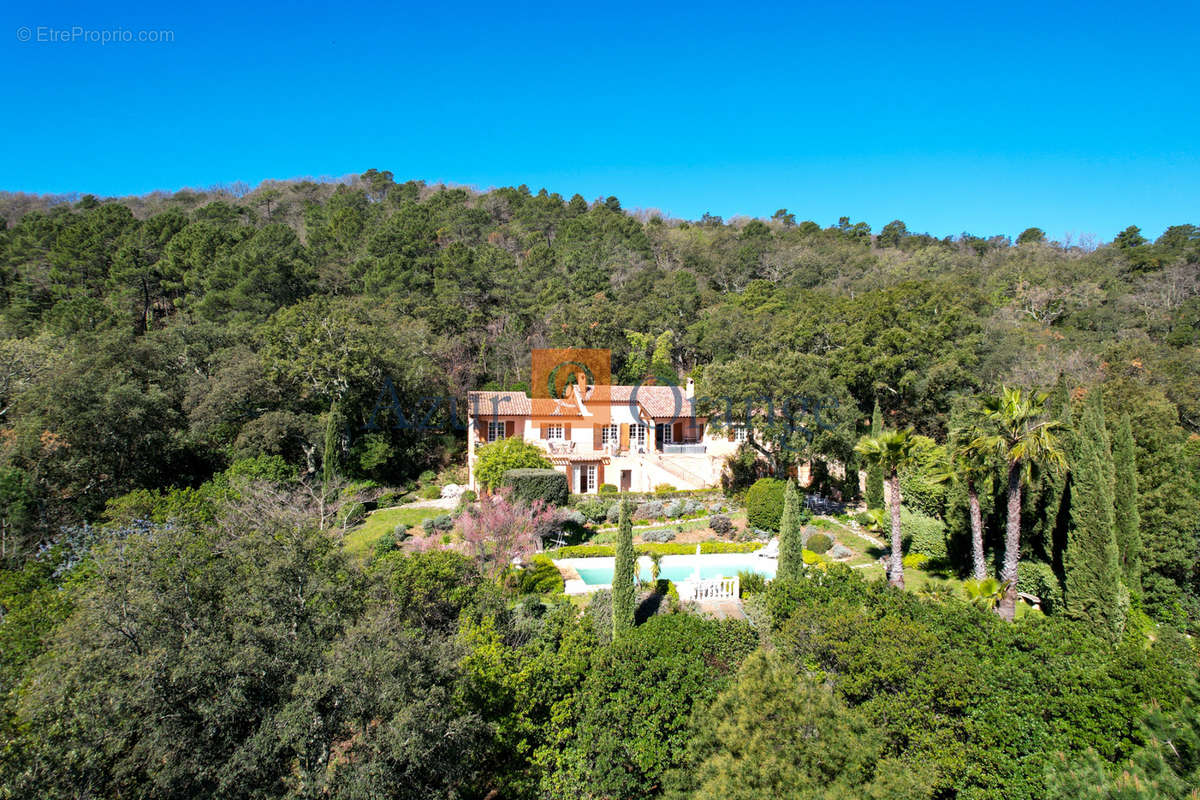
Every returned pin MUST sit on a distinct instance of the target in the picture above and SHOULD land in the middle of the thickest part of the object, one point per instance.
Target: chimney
(580, 385)
(689, 389)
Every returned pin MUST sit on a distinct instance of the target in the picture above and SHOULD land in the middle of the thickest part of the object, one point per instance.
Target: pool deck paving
(722, 609)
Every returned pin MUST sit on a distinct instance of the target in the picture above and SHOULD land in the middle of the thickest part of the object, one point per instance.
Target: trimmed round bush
(764, 503)
(923, 534)
(819, 543)
(607, 488)
(720, 524)
(540, 577)
(658, 536)
(614, 513)
(469, 496)
(528, 485)
(675, 510)
(428, 476)
(664, 488)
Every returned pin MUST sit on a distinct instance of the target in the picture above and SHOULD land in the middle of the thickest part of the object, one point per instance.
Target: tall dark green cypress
(875, 472)
(1128, 520)
(623, 575)
(791, 535)
(1094, 587)
(333, 446)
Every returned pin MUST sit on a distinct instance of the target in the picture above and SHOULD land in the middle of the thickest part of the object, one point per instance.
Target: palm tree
(984, 593)
(890, 451)
(655, 565)
(1016, 428)
(971, 467)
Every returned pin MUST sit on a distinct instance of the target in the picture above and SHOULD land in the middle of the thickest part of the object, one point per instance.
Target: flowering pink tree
(496, 530)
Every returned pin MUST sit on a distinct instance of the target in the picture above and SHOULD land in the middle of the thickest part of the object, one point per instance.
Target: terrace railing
(684, 449)
(717, 589)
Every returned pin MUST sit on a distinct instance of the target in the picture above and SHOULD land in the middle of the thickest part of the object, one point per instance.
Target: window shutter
(510, 428)
(567, 431)
(678, 432)
(599, 475)
(597, 437)
(624, 435)
(545, 432)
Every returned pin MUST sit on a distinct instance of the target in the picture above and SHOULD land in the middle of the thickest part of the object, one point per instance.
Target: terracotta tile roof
(505, 404)
(660, 402)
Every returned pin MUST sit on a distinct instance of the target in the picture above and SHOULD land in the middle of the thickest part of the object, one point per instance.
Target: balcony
(695, 449)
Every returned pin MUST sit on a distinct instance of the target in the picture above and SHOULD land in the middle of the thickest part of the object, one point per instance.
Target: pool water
(680, 568)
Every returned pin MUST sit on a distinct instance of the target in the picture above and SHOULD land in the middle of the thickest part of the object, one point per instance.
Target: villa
(633, 437)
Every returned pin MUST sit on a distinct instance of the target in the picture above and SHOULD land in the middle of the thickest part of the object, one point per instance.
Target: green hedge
(764, 503)
(716, 495)
(922, 534)
(663, 548)
(528, 485)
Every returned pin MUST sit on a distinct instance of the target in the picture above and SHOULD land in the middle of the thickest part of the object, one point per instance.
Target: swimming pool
(597, 572)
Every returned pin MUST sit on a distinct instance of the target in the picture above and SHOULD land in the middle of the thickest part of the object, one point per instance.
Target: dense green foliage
(1094, 585)
(529, 486)
(497, 458)
(874, 493)
(624, 574)
(980, 706)
(1125, 511)
(791, 535)
(765, 503)
(199, 392)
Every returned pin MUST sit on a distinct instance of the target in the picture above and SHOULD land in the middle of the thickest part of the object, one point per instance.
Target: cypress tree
(1128, 520)
(623, 575)
(874, 471)
(1094, 588)
(333, 443)
(791, 535)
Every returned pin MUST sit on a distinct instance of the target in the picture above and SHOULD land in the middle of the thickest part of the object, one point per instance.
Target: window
(740, 434)
(637, 435)
(555, 432)
(610, 434)
(495, 430)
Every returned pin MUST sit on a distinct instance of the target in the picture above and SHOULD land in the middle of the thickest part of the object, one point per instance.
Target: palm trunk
(980, 569)
(1012, 544)
(896, 571)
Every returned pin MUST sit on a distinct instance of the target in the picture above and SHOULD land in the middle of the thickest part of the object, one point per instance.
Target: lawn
(360, 541)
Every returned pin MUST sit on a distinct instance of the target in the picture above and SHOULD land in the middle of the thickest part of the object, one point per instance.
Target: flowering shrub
(498, 530)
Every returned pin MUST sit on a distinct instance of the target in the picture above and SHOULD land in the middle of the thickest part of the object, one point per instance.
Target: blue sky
(1081, 118)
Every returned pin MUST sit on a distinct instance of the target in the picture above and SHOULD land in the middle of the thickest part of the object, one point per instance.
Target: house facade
(633, 437)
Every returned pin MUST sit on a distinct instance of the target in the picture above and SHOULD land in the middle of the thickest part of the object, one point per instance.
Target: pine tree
(791, 535)
(1094, 588)
(874, 471)
(623, 575)
(1128, 520)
